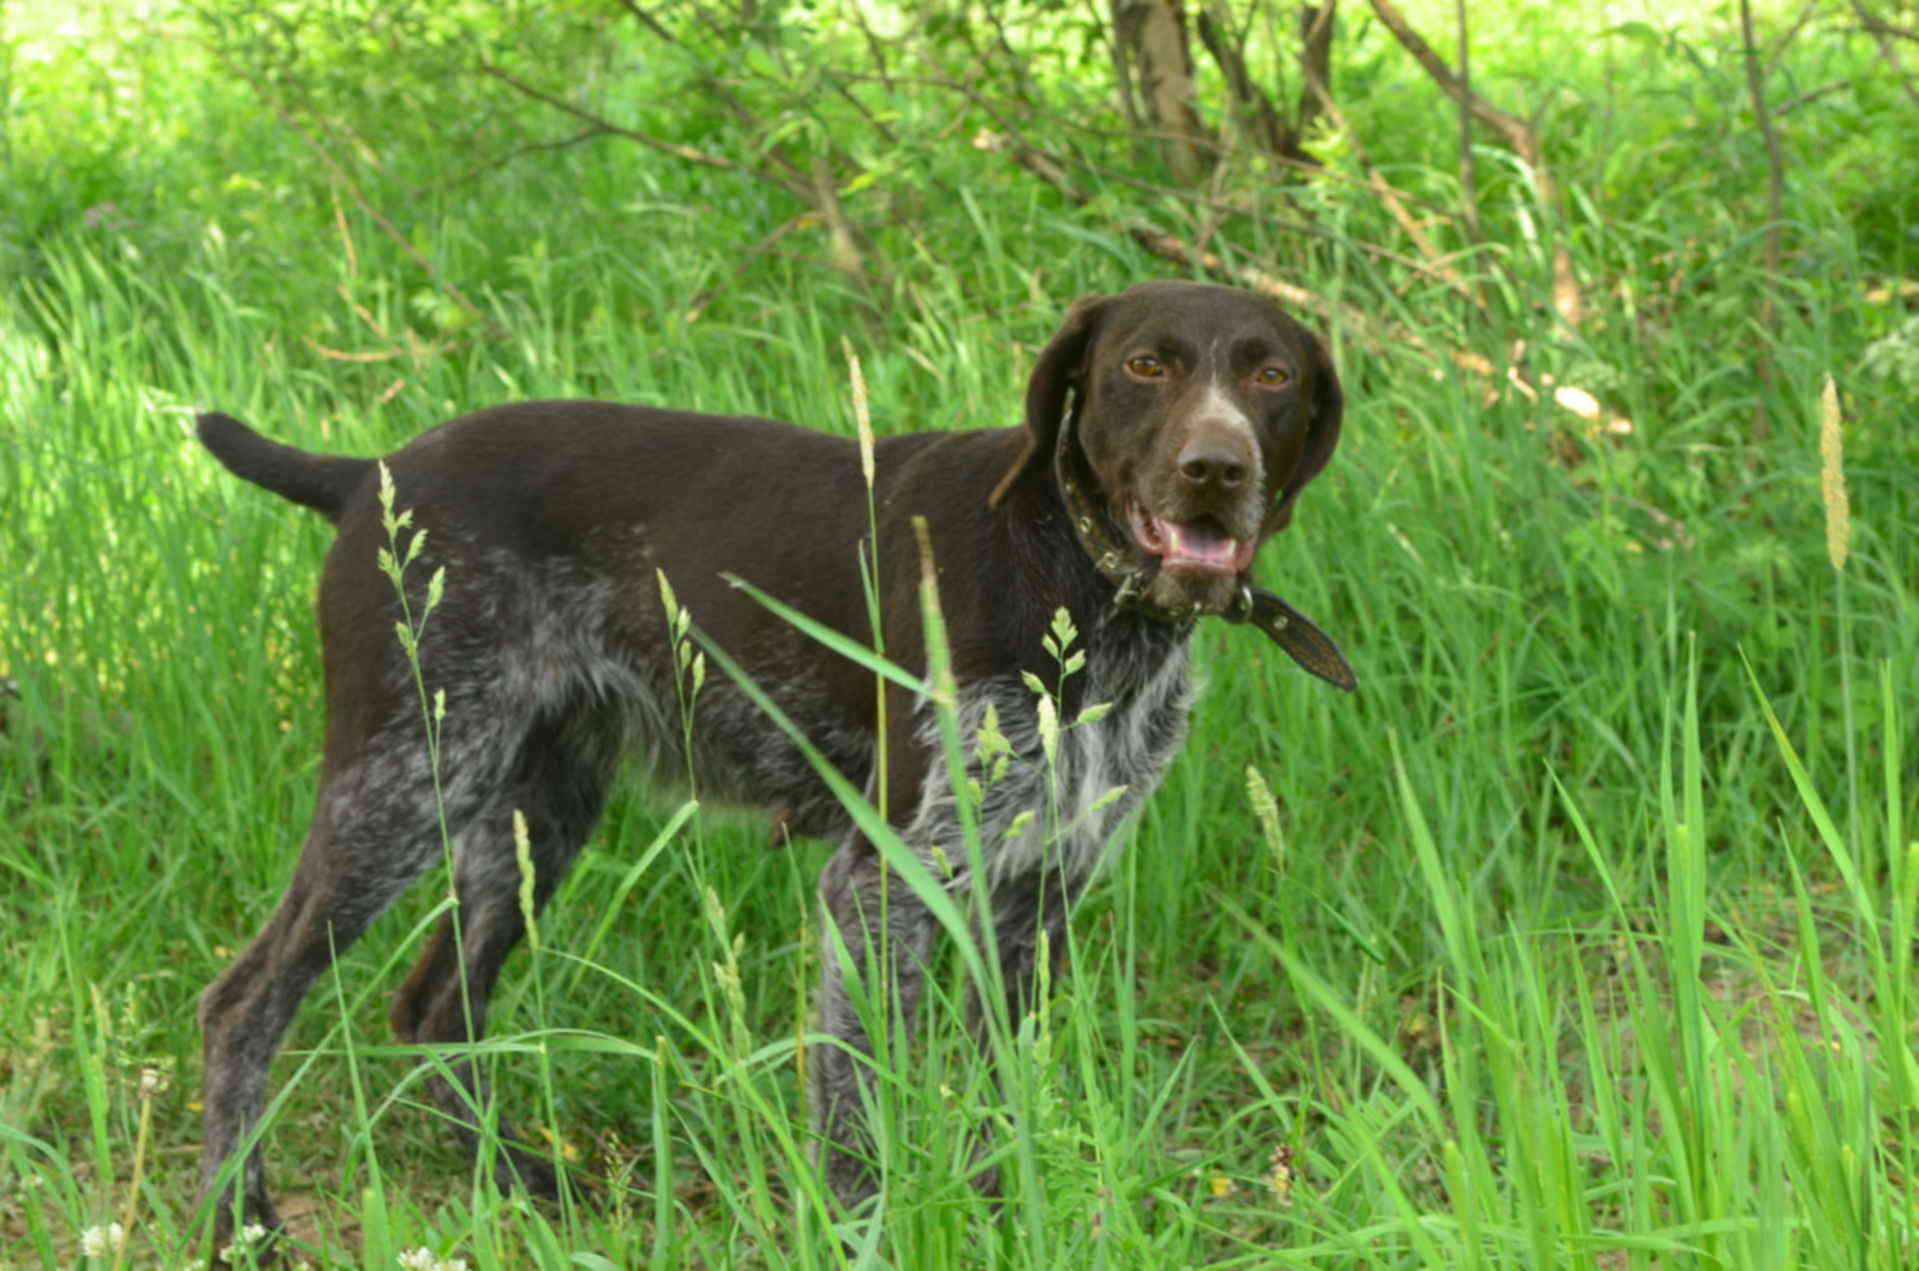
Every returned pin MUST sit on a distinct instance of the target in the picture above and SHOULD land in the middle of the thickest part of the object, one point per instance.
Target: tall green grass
(1582, 936)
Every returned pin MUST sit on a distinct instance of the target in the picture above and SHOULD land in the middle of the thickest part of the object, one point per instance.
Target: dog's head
(1200, 413)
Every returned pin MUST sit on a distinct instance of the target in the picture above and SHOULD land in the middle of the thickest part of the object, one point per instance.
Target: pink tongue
(1201, 545)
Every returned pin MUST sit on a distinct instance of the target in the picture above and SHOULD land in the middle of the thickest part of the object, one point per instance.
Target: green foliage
(1582, 936)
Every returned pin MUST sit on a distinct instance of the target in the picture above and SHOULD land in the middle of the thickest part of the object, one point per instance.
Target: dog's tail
(321, 482)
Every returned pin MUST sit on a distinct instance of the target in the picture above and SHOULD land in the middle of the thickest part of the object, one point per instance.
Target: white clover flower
(423, 1259)
(98, 1242)
(251, 1234)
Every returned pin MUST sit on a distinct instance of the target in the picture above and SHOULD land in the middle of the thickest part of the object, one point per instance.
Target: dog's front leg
(875, 939)
(1029, 935)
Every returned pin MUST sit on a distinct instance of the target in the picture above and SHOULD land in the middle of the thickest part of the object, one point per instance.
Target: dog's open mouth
(1200, 546)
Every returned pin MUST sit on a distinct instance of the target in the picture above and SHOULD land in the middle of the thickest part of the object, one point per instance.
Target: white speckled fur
(1076, 818)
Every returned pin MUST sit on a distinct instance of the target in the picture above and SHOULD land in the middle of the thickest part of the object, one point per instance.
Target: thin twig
(1054, 170)
(650, 22)
(1389, 196)
(1876, 23)
(1810, 96)
(1315, 60)
(392, 231)
(1568, 302)
(1882, 33)
(798, 172)
(673, 148)
(744, 262)
(1792, 32)
(1253, 108)
(537, 147)
(1514, 129)
(841, 239)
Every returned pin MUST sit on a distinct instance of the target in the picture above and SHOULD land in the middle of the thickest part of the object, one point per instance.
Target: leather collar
(1115, 560)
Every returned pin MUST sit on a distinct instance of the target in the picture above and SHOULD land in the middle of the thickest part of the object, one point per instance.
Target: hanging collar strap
(1284, 625)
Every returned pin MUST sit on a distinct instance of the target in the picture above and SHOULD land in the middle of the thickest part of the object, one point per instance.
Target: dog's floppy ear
(1328, 404)
(1061, 369)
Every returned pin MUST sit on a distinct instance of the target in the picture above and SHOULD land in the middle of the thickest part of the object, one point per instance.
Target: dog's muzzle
(1132, 577)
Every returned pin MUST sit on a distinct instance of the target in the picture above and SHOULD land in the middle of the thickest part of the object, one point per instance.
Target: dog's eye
(1271, 376)
(1146, 367)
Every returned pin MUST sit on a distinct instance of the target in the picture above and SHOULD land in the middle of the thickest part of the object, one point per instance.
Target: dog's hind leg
(376, 827)
(559, 785)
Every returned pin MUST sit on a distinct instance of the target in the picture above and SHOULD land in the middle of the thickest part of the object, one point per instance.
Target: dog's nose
(1212, 462)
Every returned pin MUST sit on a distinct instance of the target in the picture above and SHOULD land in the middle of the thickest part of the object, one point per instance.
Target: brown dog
(1197, 414)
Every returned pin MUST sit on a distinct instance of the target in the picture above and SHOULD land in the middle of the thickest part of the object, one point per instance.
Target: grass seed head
(1832, 477)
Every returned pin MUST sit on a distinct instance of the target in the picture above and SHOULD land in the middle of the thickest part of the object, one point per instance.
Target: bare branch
(841, 239)
(1257, 117)
(1315, 60)
(648, 21)
(538, 147)
(1390, 197)
(673, 148)
(1515, 130)
(819, 189)
(798, 179)
(392, 231)
(1379, 340)
(1882, 33)
(746, 258)
(1792, 32)
(1810, 96)
(1567, 300)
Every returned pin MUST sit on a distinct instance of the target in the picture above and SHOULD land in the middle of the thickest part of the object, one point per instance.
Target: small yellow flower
(565, 1148)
